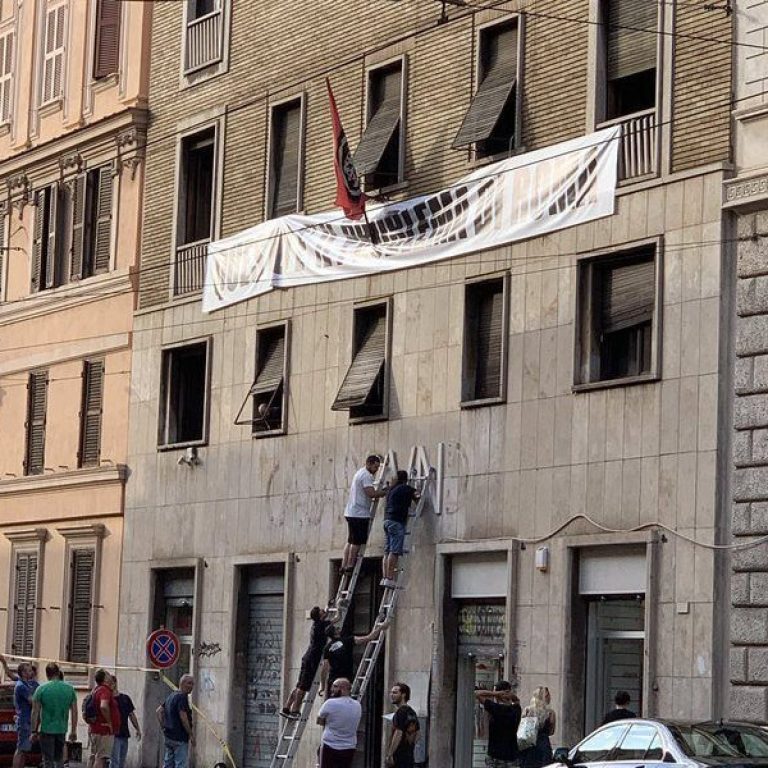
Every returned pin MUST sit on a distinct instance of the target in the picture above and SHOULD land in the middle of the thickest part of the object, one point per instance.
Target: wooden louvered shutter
(386, 88)
(364, 368)
(90, 414)
(79, 187)
(107, 53)
(628, 295)
(25, 604)
(272, 365)
(286, 145)
(631, 37)
(3, 224)
(499, 76)
(53, 59)
(103, 236)
(489, 342)
(51, 253)
(37, 403)
(6, 76)
(81, 605)
(38, 228)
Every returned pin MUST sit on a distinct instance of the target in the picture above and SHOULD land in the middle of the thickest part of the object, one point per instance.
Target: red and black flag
(349, 195)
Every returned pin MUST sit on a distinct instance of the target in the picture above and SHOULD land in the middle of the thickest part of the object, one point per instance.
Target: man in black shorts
(310, 661)
(362, 493)
(338, 655)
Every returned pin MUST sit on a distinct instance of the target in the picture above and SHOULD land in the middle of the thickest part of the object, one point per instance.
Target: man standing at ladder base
(362, 493)
(405, 729)
(340, 715)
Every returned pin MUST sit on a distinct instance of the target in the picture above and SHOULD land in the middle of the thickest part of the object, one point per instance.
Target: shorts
(358, 530)
(102, 744)
(336, 758)
(24, 738)
(494, 762)
(52, 747)
(307, 673)
(395, 533)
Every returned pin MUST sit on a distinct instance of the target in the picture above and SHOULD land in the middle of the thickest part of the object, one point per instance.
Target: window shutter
(103, 238)
(37, 240)
(37, 401)
(50, 248)
(6, 76)
(53, 60)
(628, 295)
(489, 340)
(630, 50)
(496, 86)
(3, 225)
(382, 124)
(58, 67)
(364, 368)
(285, 156)
(81, 605)
(90, 415)
(273, 362)
(107, 53)
(78, 226)
(25, 604)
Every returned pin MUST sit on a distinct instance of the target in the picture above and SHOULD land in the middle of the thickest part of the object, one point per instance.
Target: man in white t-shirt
(340, 715)
(358, 512)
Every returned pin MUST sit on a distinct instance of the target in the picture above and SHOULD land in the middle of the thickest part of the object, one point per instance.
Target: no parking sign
(163, 648)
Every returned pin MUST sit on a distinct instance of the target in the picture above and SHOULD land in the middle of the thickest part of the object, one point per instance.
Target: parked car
(643, 743)
(8, 729)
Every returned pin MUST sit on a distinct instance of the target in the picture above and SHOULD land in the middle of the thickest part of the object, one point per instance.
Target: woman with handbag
(536, 726)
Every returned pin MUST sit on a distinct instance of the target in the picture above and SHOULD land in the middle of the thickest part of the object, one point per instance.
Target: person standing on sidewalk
(52, 704)
(405, 729)
(362, 493)
(340, 715)
(127, 714)
(175, 718)
(504, 713)
(23, 691)
(106, 719)
(399, 500)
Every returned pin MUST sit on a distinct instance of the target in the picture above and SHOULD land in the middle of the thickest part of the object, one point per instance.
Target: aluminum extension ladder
(291, 731)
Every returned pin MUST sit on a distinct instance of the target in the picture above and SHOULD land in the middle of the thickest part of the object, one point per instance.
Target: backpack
(88, 709)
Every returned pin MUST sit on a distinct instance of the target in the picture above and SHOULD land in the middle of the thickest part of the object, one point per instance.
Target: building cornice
(26, 534)
(88, 476)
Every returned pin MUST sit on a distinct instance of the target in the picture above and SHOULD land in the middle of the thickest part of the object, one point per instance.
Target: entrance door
(264, 660)
(615, 648)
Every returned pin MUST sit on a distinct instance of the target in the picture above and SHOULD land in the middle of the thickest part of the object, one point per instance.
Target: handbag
(527, 732)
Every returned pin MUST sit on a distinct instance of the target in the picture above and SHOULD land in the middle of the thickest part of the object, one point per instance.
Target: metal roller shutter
(628, 295)
(364, 368)
(631, 37)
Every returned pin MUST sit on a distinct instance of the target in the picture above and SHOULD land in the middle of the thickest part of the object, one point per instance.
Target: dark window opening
(184, 395)
(285, 156)
(269, 386)
(378, 154)
(631, 94)
(484, 346)
(202, 8)
(196, 187)
(364, 389)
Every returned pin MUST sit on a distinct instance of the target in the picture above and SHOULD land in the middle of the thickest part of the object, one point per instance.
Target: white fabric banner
(514, 199)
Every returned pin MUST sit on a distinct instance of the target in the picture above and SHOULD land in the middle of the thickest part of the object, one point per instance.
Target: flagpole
(371, 231)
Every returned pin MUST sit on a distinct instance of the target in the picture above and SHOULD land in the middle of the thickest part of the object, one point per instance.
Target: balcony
(189, 268)
(638, 150)
(203, 41)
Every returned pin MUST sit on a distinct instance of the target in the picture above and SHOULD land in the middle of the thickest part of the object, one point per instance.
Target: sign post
(163, 648)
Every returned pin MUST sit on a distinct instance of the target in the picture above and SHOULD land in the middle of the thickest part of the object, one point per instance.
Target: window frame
(48, 8)
(8, 78)
(370, 73)
(189, 77)
(166, 357)
(466, 402)
(250, 400)
(585, 310)
(269, 184)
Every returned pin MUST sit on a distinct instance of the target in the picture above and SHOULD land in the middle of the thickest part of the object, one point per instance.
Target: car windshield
(713, 740)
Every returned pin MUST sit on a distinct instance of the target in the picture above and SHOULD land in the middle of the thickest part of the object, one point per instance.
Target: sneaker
(288, 715)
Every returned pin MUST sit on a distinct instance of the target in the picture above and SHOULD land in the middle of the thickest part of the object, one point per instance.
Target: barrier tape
(66, 665)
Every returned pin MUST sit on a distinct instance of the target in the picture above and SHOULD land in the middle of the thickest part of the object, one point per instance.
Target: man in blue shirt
(22, 699)
(175, 718)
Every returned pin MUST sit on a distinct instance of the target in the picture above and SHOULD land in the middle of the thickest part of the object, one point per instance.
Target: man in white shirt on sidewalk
(362, 493)
(340, 715)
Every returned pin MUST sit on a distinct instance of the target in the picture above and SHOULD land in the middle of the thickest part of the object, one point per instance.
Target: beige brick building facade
(233, 531)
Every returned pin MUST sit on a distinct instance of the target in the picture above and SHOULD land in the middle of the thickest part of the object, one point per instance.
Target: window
(198, 157)
(364, 392)
(269, 390)
(90, 413)
(184, 395)
(490, 122)
(637, 743)
(379, 156)
(618, 309)
(23, 628)
(6, 76)
(37, 404)
(598, 747)
(106, 59)
(53, 54)
(204, 34)
(72, 235)
(80, 607)
(629, 56)
(485, 330)
(285, 158)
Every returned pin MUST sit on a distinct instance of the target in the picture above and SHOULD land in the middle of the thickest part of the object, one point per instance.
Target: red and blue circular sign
(163, 648)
